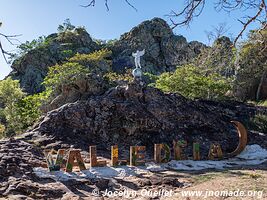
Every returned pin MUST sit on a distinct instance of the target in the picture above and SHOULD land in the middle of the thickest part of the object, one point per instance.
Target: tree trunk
(260, 86)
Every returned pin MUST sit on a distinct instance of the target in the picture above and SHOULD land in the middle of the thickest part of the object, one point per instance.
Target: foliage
(258, 103)
(98, 61)
(24, 48)
(105, 43)
(10, 92)
(219, 58)
(150, 79)
(252, 65)
(27, 46)
(263, 103)
(120, 78)
(66, 26)
(116, 78)
(192, 82)
(75, 69)
(20, 111)
(259, 123)
(28, 108)
(66, 73)
(67, 53)
(2, 130)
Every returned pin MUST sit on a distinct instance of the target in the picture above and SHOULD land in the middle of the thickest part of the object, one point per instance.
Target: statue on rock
(137, 72)
(137, 56)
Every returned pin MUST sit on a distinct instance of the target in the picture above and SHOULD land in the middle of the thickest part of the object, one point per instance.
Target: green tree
(252, 67)
(220, 57)
(29, 110)
(65, 74)
(20, 111)
(66, 26)
(73, 75)
(192, 82)
(98, 61)
(10, 94)
(27, 46)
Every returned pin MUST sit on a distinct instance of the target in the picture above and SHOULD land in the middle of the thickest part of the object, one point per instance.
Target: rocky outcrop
(164, 50)
(17, 179)
(219, 57)
(135, 114)
(32, 67)
(126, 115)
(80, 89)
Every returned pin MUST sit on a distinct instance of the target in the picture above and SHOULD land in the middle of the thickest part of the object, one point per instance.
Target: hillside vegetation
(68, 66)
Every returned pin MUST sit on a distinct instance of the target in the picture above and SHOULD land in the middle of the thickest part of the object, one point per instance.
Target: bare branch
(250, 20)
(131, 5)
(4, 53)
(10, 39)
(192, 9)
(93, 2)
(106, 4)
(217, 31)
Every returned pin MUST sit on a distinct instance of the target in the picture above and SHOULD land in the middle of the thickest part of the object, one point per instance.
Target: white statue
(137, 56)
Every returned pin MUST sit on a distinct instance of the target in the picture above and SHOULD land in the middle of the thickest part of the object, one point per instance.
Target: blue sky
(33, 18)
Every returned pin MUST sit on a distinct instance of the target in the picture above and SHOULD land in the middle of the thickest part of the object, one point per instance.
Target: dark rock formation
(220, 57)
(139, 115)
(164, 50)
(32, 67)
(90, 84)
(125, 115)
(17, 180)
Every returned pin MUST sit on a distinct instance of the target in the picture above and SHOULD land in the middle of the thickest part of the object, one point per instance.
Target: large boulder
(82, 88)
(140, 115)
(164, 50)
(32, 67)
(219, 57)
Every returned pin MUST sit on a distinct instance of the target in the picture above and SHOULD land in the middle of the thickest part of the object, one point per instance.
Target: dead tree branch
(10, 39)
(193, 8)
(92, 3)
(262, 7)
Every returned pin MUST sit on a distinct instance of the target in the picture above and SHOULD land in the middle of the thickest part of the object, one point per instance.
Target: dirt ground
(228, 184)
(232, 184)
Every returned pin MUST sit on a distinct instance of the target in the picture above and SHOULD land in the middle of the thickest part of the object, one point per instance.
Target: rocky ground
(133, 114)
(18, 181)
(140, 115)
